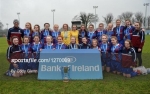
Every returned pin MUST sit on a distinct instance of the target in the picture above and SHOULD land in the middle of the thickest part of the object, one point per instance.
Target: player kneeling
(26, 49)
(36, 48)
(14, 54)
(105, 53)
(49, 44)
(128, 60)
(116, 50)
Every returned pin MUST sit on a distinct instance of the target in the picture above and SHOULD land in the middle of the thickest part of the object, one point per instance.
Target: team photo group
(120, 45)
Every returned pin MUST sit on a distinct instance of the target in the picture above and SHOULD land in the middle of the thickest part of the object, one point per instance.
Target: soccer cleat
(8, 73)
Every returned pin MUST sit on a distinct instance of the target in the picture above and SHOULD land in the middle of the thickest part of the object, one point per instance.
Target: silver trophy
(65, 74)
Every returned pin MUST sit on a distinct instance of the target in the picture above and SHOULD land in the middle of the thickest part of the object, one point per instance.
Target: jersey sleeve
(142, 36)
(9, 52)
(133, 53)
(8, 37)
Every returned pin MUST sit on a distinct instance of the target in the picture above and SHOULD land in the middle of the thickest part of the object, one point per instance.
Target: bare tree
(86, 18)
(132, 20)
(139, 17)
(109, 18)
(124, 16)
(1, 25)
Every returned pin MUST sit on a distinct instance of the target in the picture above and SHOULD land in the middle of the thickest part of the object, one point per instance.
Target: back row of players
(112, 40)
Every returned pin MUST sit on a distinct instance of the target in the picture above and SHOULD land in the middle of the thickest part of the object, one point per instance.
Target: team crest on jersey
(19, 31)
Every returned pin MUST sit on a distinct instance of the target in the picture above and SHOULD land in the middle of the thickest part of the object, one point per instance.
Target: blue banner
(76, 64)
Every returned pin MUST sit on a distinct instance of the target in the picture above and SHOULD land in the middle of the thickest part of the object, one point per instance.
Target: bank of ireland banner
(72, 64)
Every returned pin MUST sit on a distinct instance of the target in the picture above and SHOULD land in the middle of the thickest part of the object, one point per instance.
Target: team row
(121, 32)
(111, 53)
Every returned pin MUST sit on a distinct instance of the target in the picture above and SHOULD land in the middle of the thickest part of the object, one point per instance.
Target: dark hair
(138, 23)
(118, 20)
(74, 25)
(129, 42)
(37, 36)
(129, 21)
(37, 26)
(46, 23)
(84, 37)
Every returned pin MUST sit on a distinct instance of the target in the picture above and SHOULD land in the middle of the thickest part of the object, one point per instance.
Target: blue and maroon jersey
(15, 31)
(35, 33)
(36, 47)
(110, 33)
(99, 34)
(91, 35)
(119, 32)
(116, 51)
(28, 33)
(26, 48)
(44, 34)
(55, 34)
(128, 32)
(138, 38)
(105, 47)
(47, 46)
(81, 35)
(61, 46)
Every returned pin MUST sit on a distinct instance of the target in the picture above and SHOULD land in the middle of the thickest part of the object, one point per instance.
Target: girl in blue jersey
(36, 32)
(128, 59)
(119, 31)
(82, 33)
(55, 33)
(46, 32)
(116, 50)
(49, 44)
(110, 32)
(105, 53)
(128, 30)
(26, 49)
(73, 44)
(36, 48)
(91, 34)
(60, 44)
(100, 31)
(28, 30)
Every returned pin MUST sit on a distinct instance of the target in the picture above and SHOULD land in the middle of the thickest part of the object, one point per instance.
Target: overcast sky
(39, 11)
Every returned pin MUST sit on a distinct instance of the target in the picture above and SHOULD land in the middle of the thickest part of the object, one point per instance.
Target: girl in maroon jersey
(138, 39)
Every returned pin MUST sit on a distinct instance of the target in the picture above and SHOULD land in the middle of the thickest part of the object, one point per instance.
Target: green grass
(111, 84)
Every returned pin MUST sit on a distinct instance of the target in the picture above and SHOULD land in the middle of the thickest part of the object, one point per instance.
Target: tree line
(88, 18)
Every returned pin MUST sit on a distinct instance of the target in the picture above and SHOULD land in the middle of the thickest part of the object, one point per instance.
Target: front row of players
(113, 55)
